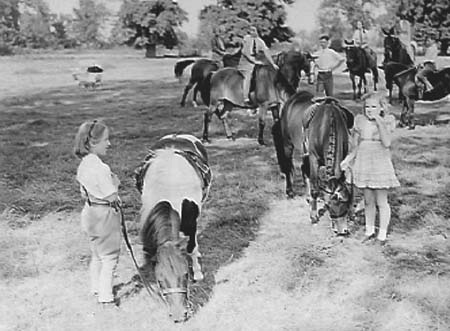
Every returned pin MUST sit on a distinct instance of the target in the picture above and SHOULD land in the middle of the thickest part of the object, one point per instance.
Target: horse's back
(293, 117)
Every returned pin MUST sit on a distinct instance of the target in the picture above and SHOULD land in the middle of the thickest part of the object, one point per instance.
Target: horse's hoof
(261, 142)
(206, 141)
(344, 233)
(232, 138)
(194, 104)
(198, 276)
(290, 195)
(314, 220)
(182, 104)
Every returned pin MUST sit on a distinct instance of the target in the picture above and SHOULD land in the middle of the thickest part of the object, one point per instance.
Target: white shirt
(250, 47)
(327, 59)
(96, 177)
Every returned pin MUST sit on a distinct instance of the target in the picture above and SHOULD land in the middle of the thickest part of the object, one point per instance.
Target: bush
(5, 50)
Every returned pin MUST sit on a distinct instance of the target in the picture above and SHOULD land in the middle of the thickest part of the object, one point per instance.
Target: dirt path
(296, 276)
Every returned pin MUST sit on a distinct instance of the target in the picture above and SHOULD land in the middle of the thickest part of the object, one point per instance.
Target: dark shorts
(325, 83)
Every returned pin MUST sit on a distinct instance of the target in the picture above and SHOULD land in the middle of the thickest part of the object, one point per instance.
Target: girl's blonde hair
(89, 133)
(377, 96)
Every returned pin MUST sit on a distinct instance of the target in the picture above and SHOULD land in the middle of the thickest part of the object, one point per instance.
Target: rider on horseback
(360, 38)
(428, 66)
(218, 44)
(252, 45)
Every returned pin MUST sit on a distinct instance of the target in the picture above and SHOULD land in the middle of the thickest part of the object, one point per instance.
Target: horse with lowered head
(174, 181)
(358, 63)
(200, 71)
(319, 131)
(269, 89)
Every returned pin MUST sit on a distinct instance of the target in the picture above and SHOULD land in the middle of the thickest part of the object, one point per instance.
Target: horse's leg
(375, 78)
(288, 170)
(352, 78)
(194, 96)
(365, 84)
(206, 119)
(190, 213)
(410, 116)
(261, 123)
(186, 91)
(313, 169)
(224, 116)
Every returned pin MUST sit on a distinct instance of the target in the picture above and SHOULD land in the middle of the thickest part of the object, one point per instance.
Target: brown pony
(319, 130)
(270, 88)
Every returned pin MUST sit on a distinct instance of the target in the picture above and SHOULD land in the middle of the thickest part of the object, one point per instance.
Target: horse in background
(406, 80)
(358, 63)
(269, 89)
(390, 70)
(396, 59)
(200, 71)
(174, 181)
(394, 51)
(319, 130)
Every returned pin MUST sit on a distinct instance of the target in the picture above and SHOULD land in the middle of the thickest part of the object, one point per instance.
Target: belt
(324, 71)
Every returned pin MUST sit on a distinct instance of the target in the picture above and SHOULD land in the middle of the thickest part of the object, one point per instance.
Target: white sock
(382, 234)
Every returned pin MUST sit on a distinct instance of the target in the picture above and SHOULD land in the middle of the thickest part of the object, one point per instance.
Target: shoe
(381, 242)
(249, 104)
(367, 238)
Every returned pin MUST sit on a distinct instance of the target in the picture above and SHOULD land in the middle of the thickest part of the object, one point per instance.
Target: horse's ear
(384, 31)
(391, 31)
(348, 42)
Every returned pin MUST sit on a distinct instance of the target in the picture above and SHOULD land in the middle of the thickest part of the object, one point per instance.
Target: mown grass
(37, 134)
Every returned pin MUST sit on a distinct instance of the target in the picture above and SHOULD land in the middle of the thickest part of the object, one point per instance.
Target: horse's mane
(170, 257)
(159, 227)
(303, 96)
(339, 123)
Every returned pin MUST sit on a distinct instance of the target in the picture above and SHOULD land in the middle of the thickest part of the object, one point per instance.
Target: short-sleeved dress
(372, 167)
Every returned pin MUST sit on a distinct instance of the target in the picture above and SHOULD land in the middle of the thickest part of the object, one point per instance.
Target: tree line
(148, 23)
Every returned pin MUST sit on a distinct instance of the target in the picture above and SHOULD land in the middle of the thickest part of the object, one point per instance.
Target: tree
(35, 24)
(431, 18)
(151, 23)
(9, 23)
(88, 20)
(268, 16)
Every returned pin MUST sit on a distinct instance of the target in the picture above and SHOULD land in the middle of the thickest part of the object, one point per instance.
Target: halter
(174, 290)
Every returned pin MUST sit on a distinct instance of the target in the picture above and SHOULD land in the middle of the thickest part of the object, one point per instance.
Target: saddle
(195, 158)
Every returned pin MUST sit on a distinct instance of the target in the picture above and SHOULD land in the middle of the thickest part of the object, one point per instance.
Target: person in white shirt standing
(326, 61)
(100, 217)
(252, 45)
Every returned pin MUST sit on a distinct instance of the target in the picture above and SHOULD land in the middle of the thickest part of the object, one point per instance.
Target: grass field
(43, 265)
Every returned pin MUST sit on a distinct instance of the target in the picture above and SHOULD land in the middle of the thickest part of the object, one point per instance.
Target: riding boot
(261, 124)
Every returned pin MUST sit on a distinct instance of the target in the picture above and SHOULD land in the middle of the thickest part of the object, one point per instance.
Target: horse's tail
(180, 66)
(158, 226)
(284, 161)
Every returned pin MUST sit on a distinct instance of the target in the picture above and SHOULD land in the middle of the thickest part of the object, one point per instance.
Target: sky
(301, 15)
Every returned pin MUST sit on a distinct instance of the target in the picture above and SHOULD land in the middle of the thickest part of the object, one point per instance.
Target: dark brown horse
(319, 130)
(174, 181)
(358, 63)
(200, 70)
(270, 88)
(406, 80)
(390, 70)
(394, 51)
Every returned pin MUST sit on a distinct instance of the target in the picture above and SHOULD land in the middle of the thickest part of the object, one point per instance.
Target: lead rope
(154, 294)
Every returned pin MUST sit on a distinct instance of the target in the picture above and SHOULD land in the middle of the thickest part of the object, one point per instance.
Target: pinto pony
(319, 130)
(174, 181)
